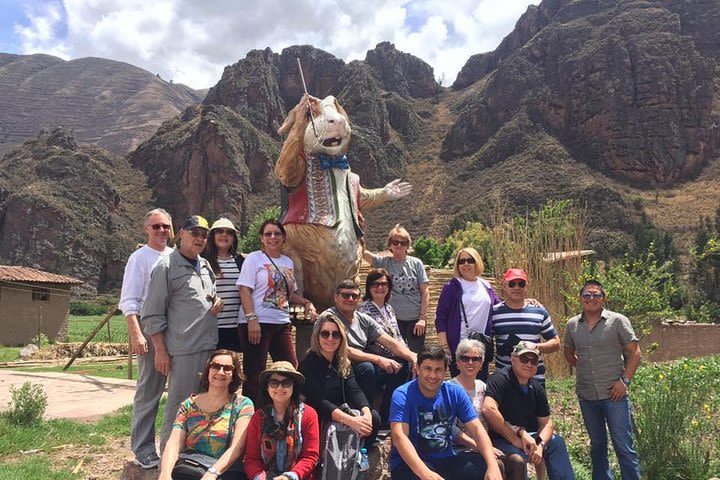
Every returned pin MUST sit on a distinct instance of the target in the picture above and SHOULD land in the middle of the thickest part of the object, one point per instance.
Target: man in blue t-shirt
(514, 320)
(422, 414)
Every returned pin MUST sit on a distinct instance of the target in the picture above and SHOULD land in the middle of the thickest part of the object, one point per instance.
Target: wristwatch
(539, 441)
(213, 471)
(625, 380)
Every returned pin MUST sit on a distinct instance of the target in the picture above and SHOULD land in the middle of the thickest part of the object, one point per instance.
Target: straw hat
(283, 368)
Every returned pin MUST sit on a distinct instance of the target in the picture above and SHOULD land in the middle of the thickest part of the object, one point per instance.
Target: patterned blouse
(211, 432)
(385, 316)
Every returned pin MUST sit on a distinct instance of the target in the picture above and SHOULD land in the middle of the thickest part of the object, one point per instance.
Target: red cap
(515, 274)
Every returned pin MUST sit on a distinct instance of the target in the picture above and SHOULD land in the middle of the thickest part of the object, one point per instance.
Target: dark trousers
(229, 339)
(276, 340)
(463, 466)
(414, 342)
(371, 378)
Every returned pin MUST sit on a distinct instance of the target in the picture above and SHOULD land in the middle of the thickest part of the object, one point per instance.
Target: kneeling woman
(330, 383)
(283, 436)
(214, 422)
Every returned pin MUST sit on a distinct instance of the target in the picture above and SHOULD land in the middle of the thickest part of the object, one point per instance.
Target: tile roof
(27, 274)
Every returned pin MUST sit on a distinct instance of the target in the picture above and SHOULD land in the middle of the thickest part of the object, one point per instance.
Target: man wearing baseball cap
(180, 316)
(516, 408)
(518, 319)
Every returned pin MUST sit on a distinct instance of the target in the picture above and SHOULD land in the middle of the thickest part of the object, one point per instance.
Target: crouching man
(422, 414)
(517, 410)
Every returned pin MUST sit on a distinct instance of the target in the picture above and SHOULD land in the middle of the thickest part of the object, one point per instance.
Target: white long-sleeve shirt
(137, 277)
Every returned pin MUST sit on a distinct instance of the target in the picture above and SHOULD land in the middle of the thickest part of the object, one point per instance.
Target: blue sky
(191, 42)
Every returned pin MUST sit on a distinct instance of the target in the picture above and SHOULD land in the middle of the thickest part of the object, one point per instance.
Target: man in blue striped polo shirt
(514, 320)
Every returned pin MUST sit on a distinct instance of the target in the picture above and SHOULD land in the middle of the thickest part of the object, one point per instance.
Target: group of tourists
(195, 310)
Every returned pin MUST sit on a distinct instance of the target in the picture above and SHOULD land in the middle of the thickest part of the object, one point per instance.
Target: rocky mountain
(614, 104)
(111, 104)
(70, 209)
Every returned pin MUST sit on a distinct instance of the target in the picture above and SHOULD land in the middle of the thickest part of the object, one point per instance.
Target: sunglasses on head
(470, 359)
(532, 359)
(335, 334)
(226, 231)
(285, 383)
(517, 283)
(216, 367)
(402, 243)
(463, 261)
(158, 226)
(348, 296)
(197, 232)
(379, 284)
(593, 295)
(272, 234)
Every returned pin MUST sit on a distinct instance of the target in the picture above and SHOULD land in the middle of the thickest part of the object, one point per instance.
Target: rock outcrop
(70, 209)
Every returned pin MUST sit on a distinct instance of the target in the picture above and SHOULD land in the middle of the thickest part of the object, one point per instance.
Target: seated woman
(330, 383)
(283, 436)
(214, 422)
(470, 357)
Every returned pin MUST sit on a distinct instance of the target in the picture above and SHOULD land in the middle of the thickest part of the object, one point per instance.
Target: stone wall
(681, 340)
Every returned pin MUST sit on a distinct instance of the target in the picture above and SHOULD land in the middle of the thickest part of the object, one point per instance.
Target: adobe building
(32, 301)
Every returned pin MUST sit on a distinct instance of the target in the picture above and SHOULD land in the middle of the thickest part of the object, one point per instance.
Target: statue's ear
(341, 110)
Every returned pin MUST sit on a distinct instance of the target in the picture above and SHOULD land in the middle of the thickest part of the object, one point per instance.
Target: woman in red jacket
(283, 438)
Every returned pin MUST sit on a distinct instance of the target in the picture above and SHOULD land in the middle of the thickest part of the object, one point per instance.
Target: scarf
(281, 442)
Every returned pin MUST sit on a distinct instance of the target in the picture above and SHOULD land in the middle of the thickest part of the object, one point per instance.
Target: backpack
(339, 455)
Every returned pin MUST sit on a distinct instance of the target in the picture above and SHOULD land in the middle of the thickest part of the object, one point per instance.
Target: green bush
(251, 240)
(432, 253)
(87, 308)
(27, 404)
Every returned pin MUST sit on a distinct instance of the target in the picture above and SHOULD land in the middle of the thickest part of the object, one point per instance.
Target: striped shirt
(510, 325)
(229, 293)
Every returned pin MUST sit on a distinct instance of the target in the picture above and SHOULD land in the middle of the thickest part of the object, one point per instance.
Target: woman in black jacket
(330, 386)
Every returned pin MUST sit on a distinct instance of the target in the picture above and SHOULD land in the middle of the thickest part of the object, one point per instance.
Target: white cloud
(191, 41)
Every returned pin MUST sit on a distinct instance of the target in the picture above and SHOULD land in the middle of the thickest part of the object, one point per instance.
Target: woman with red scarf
(283, 439)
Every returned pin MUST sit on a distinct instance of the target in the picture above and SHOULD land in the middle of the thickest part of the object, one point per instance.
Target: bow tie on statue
(333, 162)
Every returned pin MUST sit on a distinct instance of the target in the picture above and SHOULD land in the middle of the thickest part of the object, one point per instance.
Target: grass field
(80, 327)
(105, 369)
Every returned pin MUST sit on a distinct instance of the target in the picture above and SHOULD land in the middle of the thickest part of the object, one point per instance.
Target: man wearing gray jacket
(180, 316)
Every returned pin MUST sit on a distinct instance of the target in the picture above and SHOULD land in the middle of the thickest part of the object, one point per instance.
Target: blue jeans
(555, 455)
(616, 415)
(463, 466)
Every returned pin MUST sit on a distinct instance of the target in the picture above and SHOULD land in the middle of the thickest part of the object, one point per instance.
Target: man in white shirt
(151, 383)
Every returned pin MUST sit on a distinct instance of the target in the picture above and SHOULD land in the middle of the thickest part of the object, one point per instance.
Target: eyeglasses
(335, 334)
(286, 383)
(348, 296)
(216, 367)
(224, 231)
(533, 360)
(198, 232)
(593, 295)
(158, 226)
(463, 261)
(469, 359)
(402, 243)
(272, 234)
(379, 284)
(518, 283)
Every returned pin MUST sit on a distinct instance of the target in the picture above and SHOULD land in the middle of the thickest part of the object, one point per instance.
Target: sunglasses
(196, 232)
(272, 234)
(402, 243)
(463, 261)
(533, 360)
(216, 367)
(335, 334)
(158, 226)
(286, 383)
(379, 284)
(595, 296)
(225, 231)
(517, 283)
(469, 359)
(348, 296)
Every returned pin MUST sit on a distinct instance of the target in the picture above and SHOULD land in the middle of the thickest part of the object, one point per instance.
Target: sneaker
(151, 460)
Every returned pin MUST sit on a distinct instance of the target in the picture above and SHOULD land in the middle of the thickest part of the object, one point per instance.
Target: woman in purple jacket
(465, 304)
